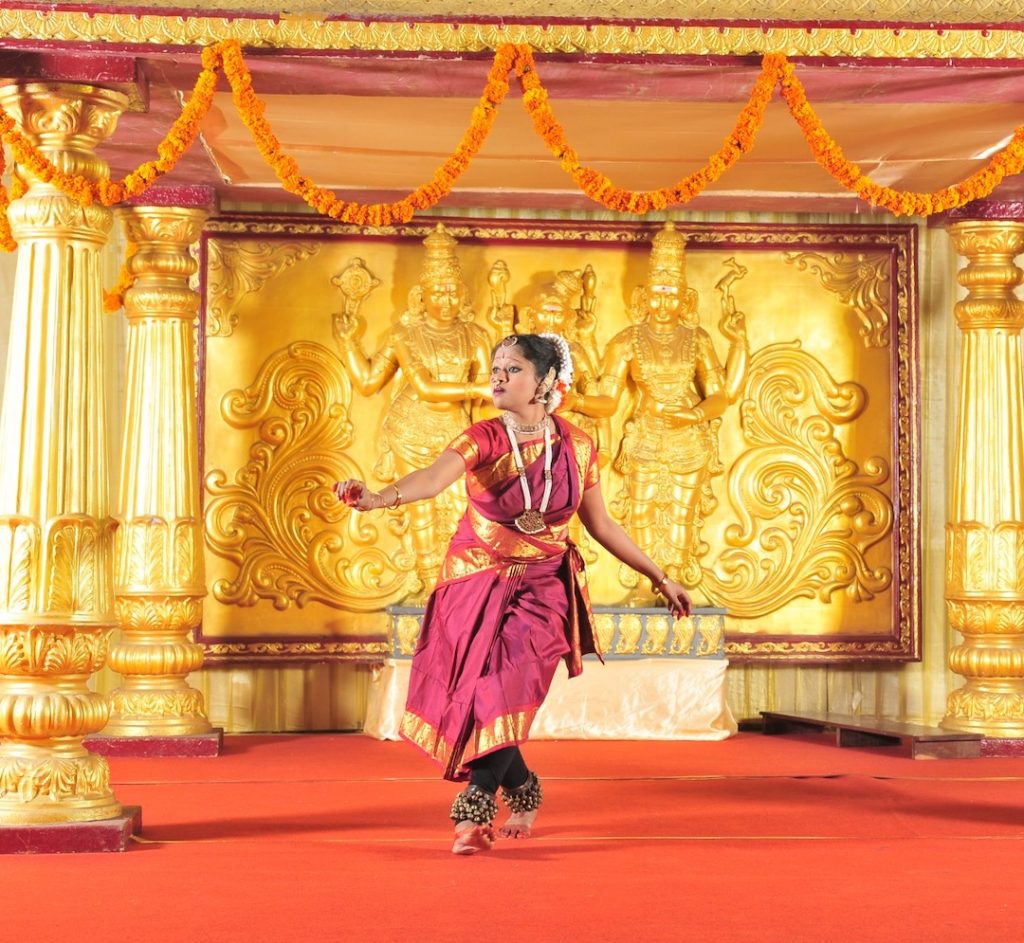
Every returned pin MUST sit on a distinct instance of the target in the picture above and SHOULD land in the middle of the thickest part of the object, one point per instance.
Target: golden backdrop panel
(795, 509)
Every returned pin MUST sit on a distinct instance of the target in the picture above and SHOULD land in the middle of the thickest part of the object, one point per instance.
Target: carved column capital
(990, 277)
(162, 263)
(66, 121)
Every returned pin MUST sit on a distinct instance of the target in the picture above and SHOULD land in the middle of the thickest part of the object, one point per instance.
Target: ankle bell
(474, 804)
(524, 798)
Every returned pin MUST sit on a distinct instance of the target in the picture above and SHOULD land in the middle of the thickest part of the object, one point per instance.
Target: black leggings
(504, 767)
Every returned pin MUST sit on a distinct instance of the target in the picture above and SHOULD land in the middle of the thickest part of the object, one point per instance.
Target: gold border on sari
(504, 730)
(503, 468)
(466, 447)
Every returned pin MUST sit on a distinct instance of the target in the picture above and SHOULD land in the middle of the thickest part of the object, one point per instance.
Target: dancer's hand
(356, 495)
(678, 599)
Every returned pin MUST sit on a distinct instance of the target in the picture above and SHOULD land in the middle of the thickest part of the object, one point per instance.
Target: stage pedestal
(73, 837)
(660, 681)
(199, 745)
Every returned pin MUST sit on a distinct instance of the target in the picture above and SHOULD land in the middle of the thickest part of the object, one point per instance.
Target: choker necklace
(524, 428)
(531, 521)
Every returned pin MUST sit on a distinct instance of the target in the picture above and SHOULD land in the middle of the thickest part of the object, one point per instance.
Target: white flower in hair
(563, 380)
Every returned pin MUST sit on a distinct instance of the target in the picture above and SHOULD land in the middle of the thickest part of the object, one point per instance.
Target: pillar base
(72, 837)
(200, 744)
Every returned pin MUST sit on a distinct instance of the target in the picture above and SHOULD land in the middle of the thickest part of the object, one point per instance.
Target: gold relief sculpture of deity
(802, 546)
(566, 306)
(669, 450)
(440, 363)
(557, 311)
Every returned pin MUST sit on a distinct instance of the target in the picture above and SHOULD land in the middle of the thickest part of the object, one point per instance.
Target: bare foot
(471, 838)
(518, 825)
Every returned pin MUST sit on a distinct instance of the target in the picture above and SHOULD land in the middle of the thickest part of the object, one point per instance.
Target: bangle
(657, 586)
(398, 499)
(699, 412)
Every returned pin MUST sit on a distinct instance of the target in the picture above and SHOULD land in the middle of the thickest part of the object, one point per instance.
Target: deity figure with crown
(669, 450)
(565, 306)
(444, 362)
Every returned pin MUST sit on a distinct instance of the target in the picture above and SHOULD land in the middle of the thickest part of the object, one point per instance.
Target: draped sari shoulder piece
(508, 606)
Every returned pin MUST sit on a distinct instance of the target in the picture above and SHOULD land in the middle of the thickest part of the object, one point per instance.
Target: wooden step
(923, 742)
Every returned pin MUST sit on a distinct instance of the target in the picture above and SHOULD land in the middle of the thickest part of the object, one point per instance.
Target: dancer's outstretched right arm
(416, 486)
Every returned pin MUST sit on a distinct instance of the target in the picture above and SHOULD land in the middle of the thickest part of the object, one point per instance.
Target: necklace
(524, 428)
(531, 521)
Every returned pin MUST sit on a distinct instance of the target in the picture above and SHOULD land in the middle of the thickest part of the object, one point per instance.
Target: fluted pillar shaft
(160, 581)
(985, 533)
(56, 532)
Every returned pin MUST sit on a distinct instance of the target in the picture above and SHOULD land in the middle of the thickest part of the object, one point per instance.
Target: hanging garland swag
(776, 70)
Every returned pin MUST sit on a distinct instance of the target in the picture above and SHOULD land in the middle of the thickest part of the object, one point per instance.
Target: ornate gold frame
(903, 643)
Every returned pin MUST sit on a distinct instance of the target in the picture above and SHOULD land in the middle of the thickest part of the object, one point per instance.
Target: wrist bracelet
(657, 586)
(398, 499)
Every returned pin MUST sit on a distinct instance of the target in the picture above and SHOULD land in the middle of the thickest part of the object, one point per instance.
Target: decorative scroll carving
(278, 519)
(860, 283)
(807, 514)
(238, 267)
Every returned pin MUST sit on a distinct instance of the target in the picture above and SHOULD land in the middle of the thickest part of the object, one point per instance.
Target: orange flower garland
(600, 189)
(177, 141)
(113, 299)
(251, 108)
(775, 69)
(1009, 160)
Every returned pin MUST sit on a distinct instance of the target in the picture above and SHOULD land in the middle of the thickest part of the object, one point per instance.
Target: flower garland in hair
(563, 380)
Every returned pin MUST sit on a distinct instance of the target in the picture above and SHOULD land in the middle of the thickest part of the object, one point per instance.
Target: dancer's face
(514, 382)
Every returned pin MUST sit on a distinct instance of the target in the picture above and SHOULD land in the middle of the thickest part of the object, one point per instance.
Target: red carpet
(341, 837)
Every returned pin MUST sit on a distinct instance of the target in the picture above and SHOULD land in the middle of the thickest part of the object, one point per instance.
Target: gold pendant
(531, 522)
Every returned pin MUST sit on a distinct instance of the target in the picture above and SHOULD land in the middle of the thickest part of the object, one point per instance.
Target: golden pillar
(985, 534)
(159, 582)
(56, 533)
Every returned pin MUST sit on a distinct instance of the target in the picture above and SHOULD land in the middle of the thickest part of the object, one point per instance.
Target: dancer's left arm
(617, 542)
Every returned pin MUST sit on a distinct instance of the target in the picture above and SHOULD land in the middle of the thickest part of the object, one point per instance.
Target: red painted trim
(987, 209)
(195, 196)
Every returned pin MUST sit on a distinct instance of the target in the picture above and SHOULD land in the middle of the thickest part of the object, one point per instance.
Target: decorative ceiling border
(640, 39)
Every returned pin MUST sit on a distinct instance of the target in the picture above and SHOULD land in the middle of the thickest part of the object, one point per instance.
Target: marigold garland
(113, 300)
(251, 109)
(508, 58)
(1006, 162)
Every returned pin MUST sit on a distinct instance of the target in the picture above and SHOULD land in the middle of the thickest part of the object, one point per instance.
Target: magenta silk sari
(508, 606)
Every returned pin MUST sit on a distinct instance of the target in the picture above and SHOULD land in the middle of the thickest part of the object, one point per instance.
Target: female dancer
(511, 600)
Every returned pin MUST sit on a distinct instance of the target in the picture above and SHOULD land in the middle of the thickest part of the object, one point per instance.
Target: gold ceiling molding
(300, 32)
(844, 11)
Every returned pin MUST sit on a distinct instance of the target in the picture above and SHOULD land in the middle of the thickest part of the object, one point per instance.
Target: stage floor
(340, 837)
